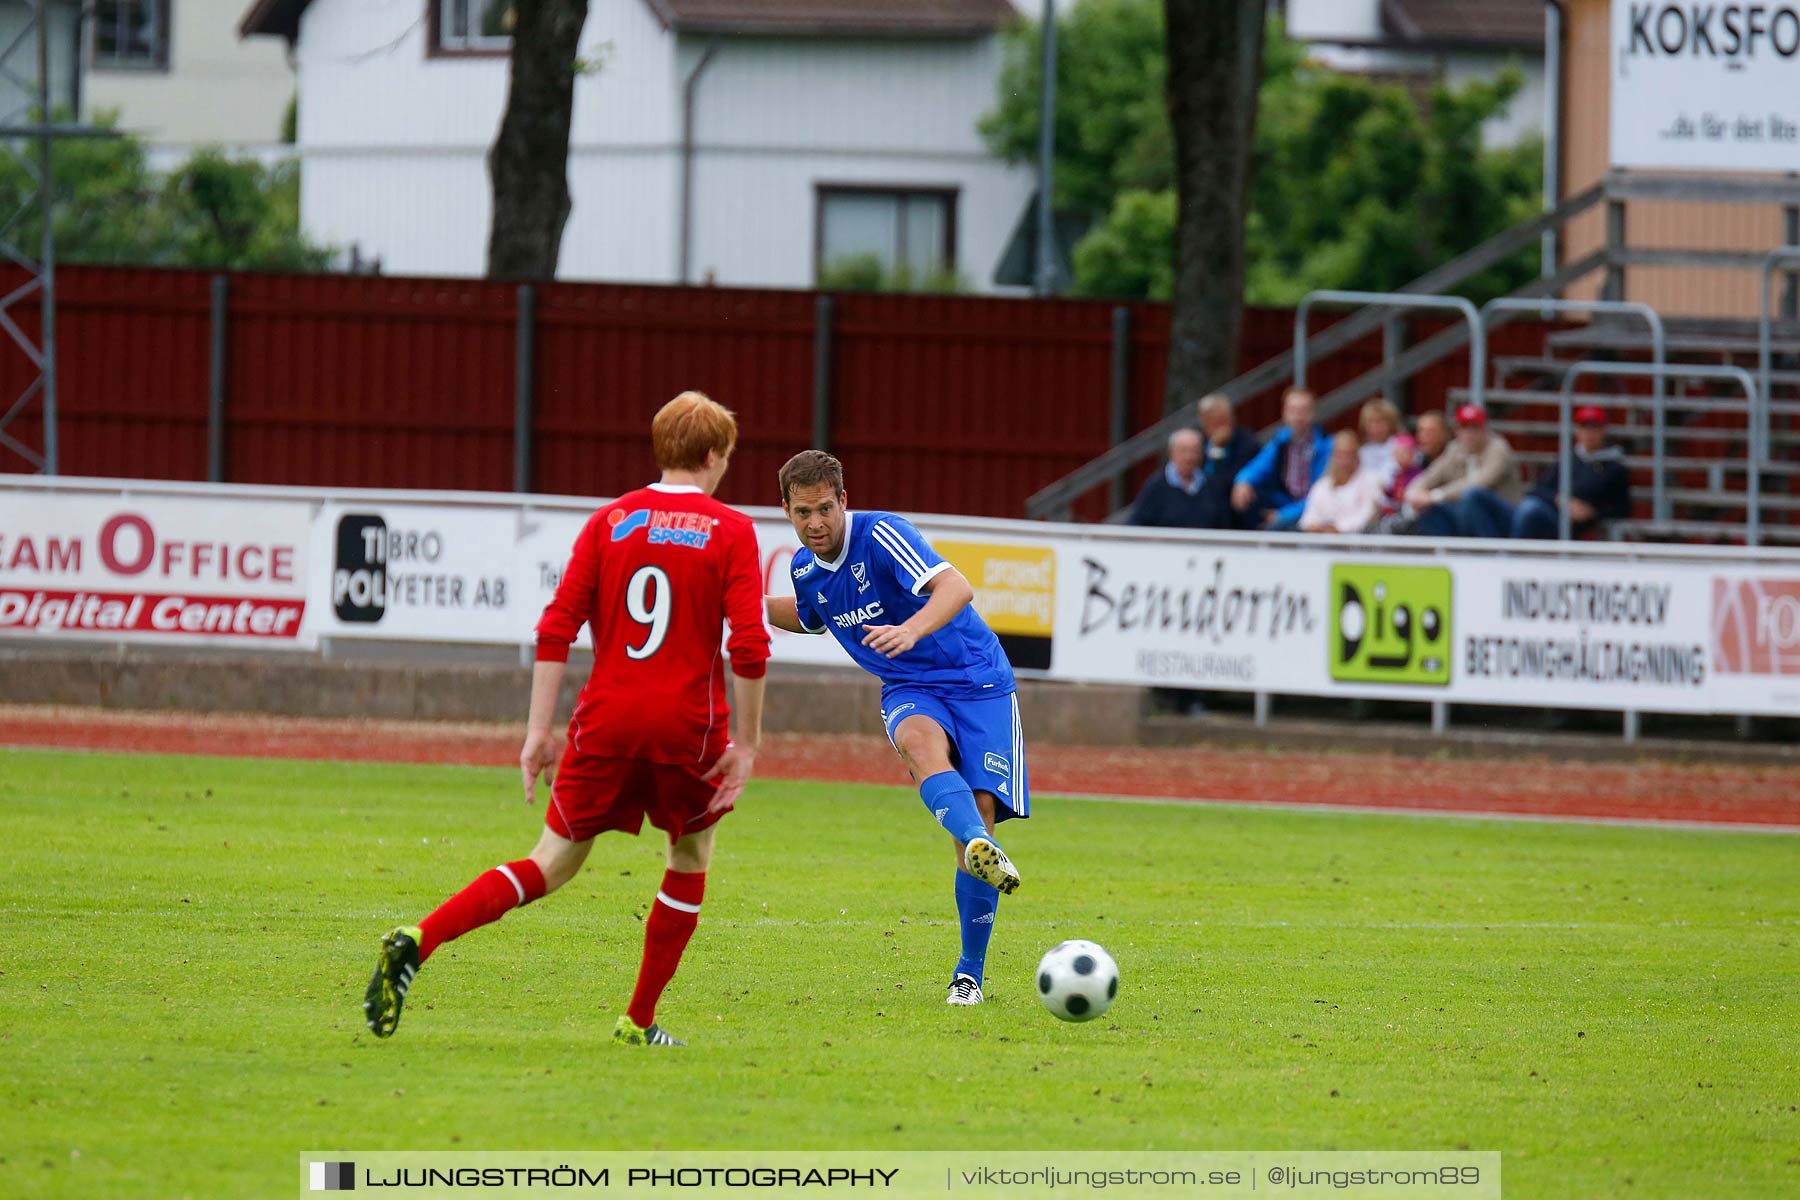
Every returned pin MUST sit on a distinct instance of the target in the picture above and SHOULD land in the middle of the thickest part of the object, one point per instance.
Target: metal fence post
(824, 312)
(1393, 344)
(524, 384)
(1790, 295)
(215, 393)
(1121, 397)
(1615, 247)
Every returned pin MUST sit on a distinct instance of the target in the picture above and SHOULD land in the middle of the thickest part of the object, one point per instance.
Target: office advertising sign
(1706, 86)
(154, 568)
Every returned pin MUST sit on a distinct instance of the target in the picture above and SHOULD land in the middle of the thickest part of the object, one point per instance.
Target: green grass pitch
(185, 944)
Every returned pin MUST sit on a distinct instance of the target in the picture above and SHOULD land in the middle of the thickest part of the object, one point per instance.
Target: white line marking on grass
(1384, 810)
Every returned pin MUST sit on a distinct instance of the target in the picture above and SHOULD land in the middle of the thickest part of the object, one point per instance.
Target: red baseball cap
(1590, 414)
(1470, 414)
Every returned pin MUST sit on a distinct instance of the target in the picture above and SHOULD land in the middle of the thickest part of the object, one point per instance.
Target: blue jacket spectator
(1176, 497)
(1272, 488)
(1226, 449)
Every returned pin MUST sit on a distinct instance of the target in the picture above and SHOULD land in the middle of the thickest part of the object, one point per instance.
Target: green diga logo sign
(1390, 624)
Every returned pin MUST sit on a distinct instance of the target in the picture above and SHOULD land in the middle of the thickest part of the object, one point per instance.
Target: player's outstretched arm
(539, 752)
(784, 613)
(950, 593)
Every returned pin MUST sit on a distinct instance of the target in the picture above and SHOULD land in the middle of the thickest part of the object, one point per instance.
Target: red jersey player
(654, 575)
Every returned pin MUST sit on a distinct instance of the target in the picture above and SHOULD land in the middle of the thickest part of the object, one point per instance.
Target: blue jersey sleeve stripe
(897, 546)
(901, 558)
(906, 547)
(903, 554)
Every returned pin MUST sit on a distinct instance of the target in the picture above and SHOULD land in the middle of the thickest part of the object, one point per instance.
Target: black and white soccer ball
(1077, 980)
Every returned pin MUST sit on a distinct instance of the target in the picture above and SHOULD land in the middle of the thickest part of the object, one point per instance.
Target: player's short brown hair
(810, 468)
(687, 427)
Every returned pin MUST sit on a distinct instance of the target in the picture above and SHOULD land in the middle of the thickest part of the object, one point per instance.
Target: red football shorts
(593, 795)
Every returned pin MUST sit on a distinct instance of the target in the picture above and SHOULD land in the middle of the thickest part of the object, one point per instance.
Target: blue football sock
(949, 799)
(976, 903)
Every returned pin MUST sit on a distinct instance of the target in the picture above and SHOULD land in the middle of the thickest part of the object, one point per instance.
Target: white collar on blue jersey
(675, 489)
(843, 547)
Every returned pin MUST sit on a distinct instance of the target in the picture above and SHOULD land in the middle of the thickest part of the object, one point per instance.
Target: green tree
(1112, 131)
(1133, 252)
(213, 211)
(1357, 186)
(1354, 184)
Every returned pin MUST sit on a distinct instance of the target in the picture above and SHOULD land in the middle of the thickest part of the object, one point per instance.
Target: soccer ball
(1077, 980)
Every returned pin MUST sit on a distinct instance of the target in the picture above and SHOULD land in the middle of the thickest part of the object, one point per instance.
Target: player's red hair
(687, 427)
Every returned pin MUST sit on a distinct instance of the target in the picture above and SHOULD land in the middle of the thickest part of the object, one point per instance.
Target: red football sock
(493, 894)
(666, 933)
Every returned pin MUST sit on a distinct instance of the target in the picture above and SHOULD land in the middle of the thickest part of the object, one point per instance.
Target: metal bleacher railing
(1691, 462)
(1397, 300)
(1659, 355)
(1657, 372)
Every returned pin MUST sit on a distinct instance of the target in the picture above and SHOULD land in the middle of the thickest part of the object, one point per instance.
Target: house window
(131, 33)
(478, 26)
(910, 231)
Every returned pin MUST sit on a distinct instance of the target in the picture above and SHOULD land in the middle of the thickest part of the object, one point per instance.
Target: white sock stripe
(904, 554)
(677, 905)
(517, 886)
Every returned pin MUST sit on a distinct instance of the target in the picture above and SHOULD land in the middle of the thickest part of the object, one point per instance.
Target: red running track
(1644, 791)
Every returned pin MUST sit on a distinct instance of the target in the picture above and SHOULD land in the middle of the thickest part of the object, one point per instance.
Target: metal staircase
(1703, 467)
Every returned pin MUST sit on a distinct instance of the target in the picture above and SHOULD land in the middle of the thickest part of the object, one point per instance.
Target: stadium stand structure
(1711, 431)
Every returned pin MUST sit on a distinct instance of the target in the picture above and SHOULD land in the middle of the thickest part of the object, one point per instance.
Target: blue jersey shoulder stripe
(903, 554)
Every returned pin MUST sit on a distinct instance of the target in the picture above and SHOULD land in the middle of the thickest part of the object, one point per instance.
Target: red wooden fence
(939, 404)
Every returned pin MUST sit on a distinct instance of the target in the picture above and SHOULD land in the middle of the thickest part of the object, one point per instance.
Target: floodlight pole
(47, 255)
(1046, 219)
(29, 133)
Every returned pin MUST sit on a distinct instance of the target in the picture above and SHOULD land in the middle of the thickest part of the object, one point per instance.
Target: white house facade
(741, 142)
(179, 77)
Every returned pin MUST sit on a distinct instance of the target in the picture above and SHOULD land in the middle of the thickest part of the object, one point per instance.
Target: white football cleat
(963, 990)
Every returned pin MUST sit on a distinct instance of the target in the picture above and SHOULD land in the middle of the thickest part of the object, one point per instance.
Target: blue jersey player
(947, 694)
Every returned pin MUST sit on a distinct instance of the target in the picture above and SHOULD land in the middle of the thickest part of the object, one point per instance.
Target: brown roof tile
(793, 18)
(836, 18)
(1518, 24)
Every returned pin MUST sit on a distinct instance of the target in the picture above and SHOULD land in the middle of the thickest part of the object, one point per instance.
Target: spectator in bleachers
(1599, 484)
(1272, 489)
(1409, 464)
(1345, 498)
(1226, 449)
(1378, 422)
(1407, 468)
(1433, 433)
(1176, 496)
(1471, 490)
